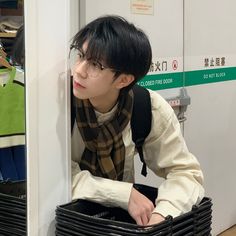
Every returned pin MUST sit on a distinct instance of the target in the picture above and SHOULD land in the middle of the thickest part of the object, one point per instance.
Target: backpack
(140, 121)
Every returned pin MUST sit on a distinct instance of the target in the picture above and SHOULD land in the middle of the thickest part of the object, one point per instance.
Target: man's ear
(124, 80)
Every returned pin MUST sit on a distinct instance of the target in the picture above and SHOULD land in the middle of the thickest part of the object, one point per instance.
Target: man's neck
(105, 103)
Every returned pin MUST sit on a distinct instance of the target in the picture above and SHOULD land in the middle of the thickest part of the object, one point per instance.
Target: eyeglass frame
(98, 65)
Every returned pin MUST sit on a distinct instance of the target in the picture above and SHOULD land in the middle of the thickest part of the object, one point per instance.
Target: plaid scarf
(104, 153)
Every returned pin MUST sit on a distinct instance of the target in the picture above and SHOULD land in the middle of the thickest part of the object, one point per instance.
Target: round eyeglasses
(93, 68)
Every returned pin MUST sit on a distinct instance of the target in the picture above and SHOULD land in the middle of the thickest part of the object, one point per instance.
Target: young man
(112, 56)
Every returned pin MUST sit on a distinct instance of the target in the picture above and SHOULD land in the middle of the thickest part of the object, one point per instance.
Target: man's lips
(77, 85)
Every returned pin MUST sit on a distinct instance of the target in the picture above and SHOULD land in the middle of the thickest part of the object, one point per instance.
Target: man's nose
(81, 68)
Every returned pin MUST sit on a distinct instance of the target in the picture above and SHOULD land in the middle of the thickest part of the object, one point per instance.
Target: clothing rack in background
(11, 18)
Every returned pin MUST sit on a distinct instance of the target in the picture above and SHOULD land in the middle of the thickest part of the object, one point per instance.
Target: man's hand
(140, 207)
(155, 219)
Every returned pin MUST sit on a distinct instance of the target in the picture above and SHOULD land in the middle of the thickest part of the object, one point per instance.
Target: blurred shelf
(7, 35)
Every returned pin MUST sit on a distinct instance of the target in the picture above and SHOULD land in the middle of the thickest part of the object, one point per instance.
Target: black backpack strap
(141, 120)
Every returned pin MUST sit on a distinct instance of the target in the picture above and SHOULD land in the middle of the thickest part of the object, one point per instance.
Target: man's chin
(79, 95)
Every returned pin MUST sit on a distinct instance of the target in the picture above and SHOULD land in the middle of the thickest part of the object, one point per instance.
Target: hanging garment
(7, 165)
(13, 163)
(12, 108)
(12, 125)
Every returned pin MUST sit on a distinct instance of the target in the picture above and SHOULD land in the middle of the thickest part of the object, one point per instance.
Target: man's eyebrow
(76, 47)
(81, 50)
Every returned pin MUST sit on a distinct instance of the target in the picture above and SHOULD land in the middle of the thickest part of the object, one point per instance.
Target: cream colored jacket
(165, 153)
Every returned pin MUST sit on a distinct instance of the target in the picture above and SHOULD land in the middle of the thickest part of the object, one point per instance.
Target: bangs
(99, 46)
(97, 50)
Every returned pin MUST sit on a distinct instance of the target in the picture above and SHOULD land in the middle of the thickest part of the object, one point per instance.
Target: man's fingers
(156, 219)
(145, 219)
(139, 221)
(140, 207)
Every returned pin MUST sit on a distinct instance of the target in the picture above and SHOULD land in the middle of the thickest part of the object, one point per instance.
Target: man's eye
(80, 55)
(95, 64)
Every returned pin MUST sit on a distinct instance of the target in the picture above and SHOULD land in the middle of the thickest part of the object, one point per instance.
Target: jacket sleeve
(104, 191)
(167, 155)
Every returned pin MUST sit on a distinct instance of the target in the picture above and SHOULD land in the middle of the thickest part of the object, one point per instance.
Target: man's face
(90, 78)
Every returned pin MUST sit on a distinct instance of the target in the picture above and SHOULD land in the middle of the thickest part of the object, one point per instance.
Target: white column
(47, 26)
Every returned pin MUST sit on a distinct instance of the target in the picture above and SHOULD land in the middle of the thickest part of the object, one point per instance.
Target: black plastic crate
(12, 208)
(83, 217)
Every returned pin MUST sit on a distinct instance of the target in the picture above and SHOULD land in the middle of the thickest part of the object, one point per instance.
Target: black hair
(18, 49)
(117, 43)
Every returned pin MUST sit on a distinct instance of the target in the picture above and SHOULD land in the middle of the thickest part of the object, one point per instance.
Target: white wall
(210, 134)
(164, 29)
(48, 183)
(210, 126)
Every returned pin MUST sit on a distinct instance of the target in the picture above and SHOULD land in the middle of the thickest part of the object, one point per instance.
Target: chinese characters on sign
(158, 66)
(164, 73)
(212, 62)
(163, 66)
